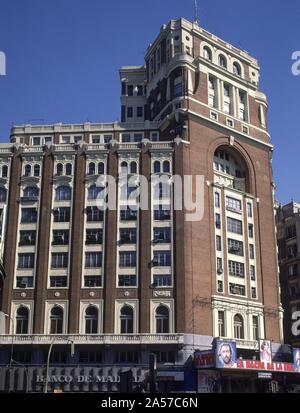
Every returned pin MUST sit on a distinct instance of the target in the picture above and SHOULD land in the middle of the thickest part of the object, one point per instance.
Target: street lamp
(48, 359)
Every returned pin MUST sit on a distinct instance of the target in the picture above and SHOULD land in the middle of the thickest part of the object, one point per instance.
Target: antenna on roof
(196, 11)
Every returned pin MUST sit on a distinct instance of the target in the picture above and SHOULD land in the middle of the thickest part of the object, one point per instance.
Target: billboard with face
(226, 354)
(265, 351)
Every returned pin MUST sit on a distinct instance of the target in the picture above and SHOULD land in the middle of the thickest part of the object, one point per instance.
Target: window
(156, 167)
(237, 289)
(165, 356)
(60, 237)
(127, 357)
(24, 282)
(100, 168)
(255, 328)
(61, 214)
(162, 235)
(22, 320)
(221, 323)
(26, 260)
(127, 259)
(211, 92)
(69, 169)
(253, 292)
(166, 166)
(56, 320)
(217, 200)
(235, 247)
(250, 230)
(58, 281)
(129, 112)
(31, 192)
(220, 286)
(237, 69)
(59, 169)
(140, 90)
(207, 53)
(3, 194)
(162, 280)
(249, 210)
(238, 325)
(178, 89)
(251, 251)
(4, 171)
(94, 214)
(90, 357)
(133, 167)
(218, 221)
(128, 280)
(36, 141)
(128, 214)
(93, 259)
(236, 269)
(63, 193)
(233, 204)
(252, 272)
(92, 168)
(218, 243)
(162, 213)
(28, 215)
(59, 260)
(91, 320)
(22, 356)
(291, 231)
(93, 281)
(223, 61)
(130, 90)
(162, 320)
(94, 236)
(95, 192)
(27, 237)
(219, 265)
(128, 235)
(139, 111)
(234, 225)
(65, 140)
(126, 319)
(36, 170)
(27, 170)
(162, 258)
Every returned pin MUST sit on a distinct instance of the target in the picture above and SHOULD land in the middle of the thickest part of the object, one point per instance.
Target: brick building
(123, 282)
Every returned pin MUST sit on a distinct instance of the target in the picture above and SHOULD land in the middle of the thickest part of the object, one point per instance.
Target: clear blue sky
(63, 58)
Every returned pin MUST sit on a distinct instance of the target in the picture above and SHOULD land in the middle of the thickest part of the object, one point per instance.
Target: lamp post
(48, 359)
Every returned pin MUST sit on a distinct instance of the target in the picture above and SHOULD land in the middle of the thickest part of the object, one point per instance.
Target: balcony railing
(92, 338)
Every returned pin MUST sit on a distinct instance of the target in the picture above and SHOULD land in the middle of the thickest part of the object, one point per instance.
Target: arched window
(126, 319)
(162, 319)
(238, 325)
(69, 169)
(36, 170)
(124, 167)
(207, 53)
(237, 69)
(4, 171)
(59, 169)
(222, 61)
(91, 320)
(3, 195)
(94, 191)
(22, 320)
(133, 168)
(31, 191)
(166, 166)
(156, 167)
(63, 193)
(56, 320)
(27, 170)
(92, 168)
(100, 168)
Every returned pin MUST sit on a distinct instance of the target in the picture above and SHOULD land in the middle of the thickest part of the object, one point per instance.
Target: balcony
(28, 199)
(105, 339)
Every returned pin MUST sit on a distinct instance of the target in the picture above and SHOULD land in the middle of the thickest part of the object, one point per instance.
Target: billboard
(204, 359)
(226, 354)
(296, 358)
(265, 351)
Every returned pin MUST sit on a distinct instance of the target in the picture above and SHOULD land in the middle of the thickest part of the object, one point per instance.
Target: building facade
(127, 281)
(288, 235)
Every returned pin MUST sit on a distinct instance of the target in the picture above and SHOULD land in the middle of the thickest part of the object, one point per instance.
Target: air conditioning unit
(155, 261)
(234, 249)
(220, 270)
